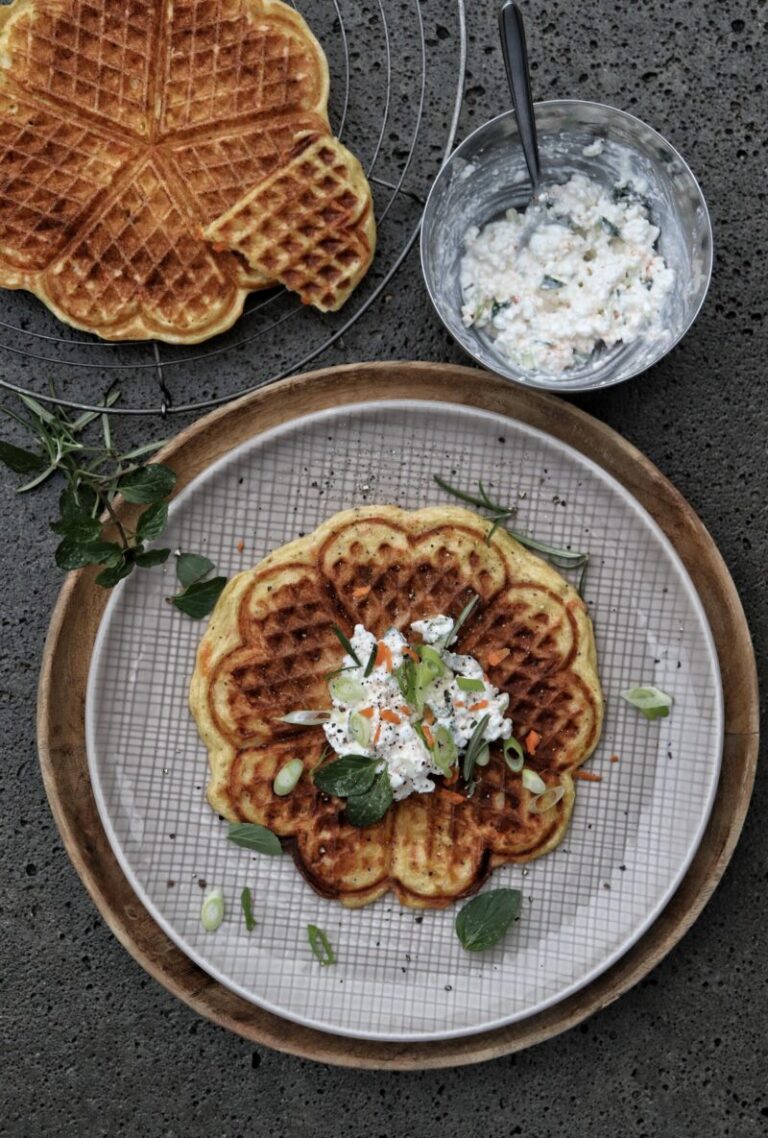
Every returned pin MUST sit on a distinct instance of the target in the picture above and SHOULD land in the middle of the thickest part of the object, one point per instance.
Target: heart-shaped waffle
(270, 646)
(128, 130)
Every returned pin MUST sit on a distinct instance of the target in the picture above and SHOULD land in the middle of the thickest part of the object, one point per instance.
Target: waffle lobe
(270, 646)
(129, 132)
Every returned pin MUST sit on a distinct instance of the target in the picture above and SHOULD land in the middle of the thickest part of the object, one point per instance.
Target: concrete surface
(92, 1046)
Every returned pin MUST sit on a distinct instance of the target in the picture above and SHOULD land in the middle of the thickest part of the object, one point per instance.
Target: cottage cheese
(402, 750)
(589, 275)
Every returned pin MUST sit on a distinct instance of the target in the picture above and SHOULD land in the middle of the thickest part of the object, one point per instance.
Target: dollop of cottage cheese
(400, 746)
(589, 275)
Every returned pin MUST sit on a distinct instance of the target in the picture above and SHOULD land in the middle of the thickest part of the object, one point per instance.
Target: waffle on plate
(271, 645)
(160, 159)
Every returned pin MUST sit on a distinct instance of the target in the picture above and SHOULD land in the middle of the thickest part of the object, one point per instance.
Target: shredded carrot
(376, 735)
(481, 703)
(428, 735)
(240, 546)
(410, 652)
(614, 758)
(429, 715)
(588, 776)
(497, 655)
(451, 796)
(384, 655)
(390, 716)
(405, 710)
(367, 712)
(452, 777)
(459, 703)
(531, 742)
(361, 591)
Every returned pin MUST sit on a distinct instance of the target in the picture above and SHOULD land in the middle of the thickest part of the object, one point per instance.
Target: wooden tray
(75, 621)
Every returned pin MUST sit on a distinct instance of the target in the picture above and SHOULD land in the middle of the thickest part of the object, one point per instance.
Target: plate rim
(628, 502)
(76, 618)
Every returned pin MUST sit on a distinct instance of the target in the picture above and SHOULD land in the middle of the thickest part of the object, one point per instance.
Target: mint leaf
(109, 577)
(77, 501)
(191, 568)
(351, 774)
(147, 484)
(365, 809)
(484, 920)
(72, 554)
(20, 461)
(251, 836)
(152, 522)
(200, 598)
(147, 558)
(78, 528)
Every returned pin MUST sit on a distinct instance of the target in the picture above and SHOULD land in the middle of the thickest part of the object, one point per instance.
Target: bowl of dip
(599, 280)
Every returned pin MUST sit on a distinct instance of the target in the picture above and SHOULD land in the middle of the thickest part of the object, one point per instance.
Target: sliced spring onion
(212, 911)
(545, 801)
(466, 683)
(247, 907)
(346, 689)
(475, 745)
(287, 777)
(320, 945)
(514, 755)
(306, 718)
(431, 659)
(483, 756)
(533, 782)
(346, 643)
(360, 728)
(651, 702)
(445, 750)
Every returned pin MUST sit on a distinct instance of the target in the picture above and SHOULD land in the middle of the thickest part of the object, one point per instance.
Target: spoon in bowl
(515, 52)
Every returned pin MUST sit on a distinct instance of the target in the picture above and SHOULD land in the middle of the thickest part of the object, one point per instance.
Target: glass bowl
(486, 176)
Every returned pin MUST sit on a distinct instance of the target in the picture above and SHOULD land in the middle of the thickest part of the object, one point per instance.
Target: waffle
(134, 137)
(270, 646)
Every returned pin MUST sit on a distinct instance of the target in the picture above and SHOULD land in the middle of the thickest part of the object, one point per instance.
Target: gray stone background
(92, 1046)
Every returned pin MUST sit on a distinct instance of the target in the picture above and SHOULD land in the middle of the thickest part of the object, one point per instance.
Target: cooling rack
(397, 74)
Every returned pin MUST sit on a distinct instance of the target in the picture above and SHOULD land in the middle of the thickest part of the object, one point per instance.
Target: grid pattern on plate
(402, 974)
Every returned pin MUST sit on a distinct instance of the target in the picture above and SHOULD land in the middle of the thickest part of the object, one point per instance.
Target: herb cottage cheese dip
(589, 275)
(370, 716)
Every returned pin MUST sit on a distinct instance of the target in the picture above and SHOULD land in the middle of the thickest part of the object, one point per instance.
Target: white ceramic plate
(403, 975)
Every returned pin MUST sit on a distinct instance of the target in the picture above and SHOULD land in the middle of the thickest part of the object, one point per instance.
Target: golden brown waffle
(127, 129)
(270, 646)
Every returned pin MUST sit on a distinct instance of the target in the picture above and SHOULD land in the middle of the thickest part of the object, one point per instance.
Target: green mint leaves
(200, 592)
(354, 777)
(251, 836)
(95, 473)
(484, 920)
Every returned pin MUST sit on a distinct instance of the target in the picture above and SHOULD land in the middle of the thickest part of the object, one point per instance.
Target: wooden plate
(73, 631)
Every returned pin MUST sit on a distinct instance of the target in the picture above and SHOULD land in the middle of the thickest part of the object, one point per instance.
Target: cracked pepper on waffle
(270, 646)
(160, 159)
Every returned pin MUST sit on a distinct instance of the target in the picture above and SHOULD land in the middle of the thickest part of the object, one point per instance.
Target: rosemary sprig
(562, 558)
(346, 643)
(95, 472)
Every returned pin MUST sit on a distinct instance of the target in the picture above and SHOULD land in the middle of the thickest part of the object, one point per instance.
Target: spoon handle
(515, 54)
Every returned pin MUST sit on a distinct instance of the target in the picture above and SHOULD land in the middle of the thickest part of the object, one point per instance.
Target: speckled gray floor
(94, 1047)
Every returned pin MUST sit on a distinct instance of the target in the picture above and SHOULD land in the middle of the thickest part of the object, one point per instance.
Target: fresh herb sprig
(95, 472)
(561, 558)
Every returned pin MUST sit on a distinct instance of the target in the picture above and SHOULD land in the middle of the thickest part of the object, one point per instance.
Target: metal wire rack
(397, 75)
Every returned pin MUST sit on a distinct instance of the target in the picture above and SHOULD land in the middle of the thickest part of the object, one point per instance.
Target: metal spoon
(515, 52)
